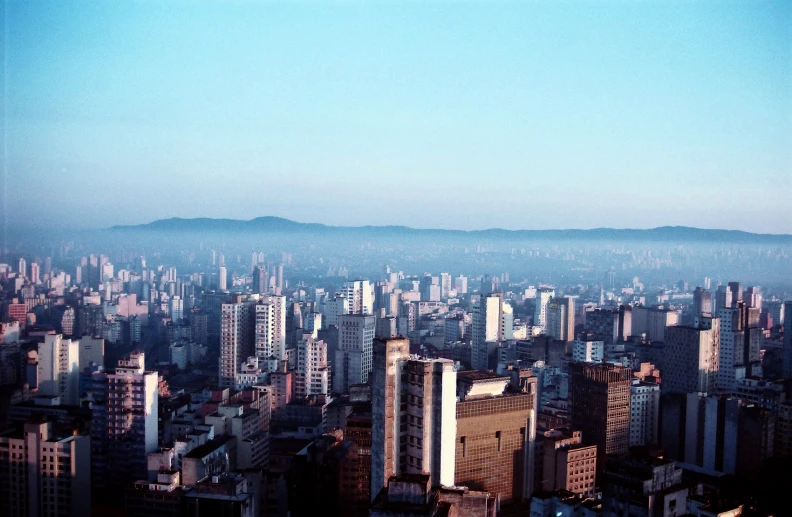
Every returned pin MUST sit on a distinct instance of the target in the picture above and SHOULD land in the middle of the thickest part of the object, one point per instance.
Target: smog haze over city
(472, 258)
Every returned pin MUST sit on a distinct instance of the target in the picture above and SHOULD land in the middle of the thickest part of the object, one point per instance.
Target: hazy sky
(450, 114)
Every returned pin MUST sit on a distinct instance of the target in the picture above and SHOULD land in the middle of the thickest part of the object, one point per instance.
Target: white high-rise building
(222, 281)
(271, 328)
(353, 356)
(493, 322)
(34, 274)
(334, 308)
(445, 285)
(176, 309)
(237, 333)
(644, 413)
(423, 440)
(22, 267)
(59, 369)
(360, 297)
(460, 284)
(543, 297)
(312, 375)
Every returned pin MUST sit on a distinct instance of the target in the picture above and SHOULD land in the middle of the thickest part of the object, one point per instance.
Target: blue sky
(450, 114)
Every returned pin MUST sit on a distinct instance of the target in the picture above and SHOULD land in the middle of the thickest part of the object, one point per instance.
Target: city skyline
(530, 116)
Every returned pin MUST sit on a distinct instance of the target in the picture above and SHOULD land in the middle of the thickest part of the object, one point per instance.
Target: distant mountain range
(271, 224)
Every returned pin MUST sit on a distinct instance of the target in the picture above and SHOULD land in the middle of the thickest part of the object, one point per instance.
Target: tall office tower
(776, 310)
(543, 297)
(445, 285)
(786, 367)
(312, 375)
(413, 429)
(123, 424)
(751, 296)
(460, 284)
(43, 473)
(691, 357)
(723, 297)
(237, 336)
(561, 318)
(353, 357)
(22, 267)
(429, 288)
(59, 369)
(496, 433)
(270, 332)
(736, 293)
(741, 338)
(702, 302)
(359, 296)
(599, 395)
(260, 279)
(389, 361)
(407, 320)
(222, 280)
(47, 267)
(221, 260)
(427, 439)
(212, 303)
(487, 331)
(176, 309)
(644, 413)
(34, 274)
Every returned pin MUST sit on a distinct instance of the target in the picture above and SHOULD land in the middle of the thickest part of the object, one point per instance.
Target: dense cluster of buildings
(230, 391)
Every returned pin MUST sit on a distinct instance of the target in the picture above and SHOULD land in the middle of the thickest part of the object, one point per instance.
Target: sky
(465, 115)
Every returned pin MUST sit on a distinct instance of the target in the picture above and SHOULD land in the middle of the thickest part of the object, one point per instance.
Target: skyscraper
(270, 330)
(702, 302)
(34, 273)
(222, 281)
(312, 375)
(359, 295)
(260, 279)
(543, 297)
(599, 395)
(690, 358)
(723, 297)
(496, 430)
(487, 331)
(124, 428)
(413, 418)
(237, 331)
(561, 318)
(176, 309)
(353, 357)
(389, 360)
(59, 369)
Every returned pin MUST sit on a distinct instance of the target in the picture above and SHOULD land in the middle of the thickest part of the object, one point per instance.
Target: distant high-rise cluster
(218, 382)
